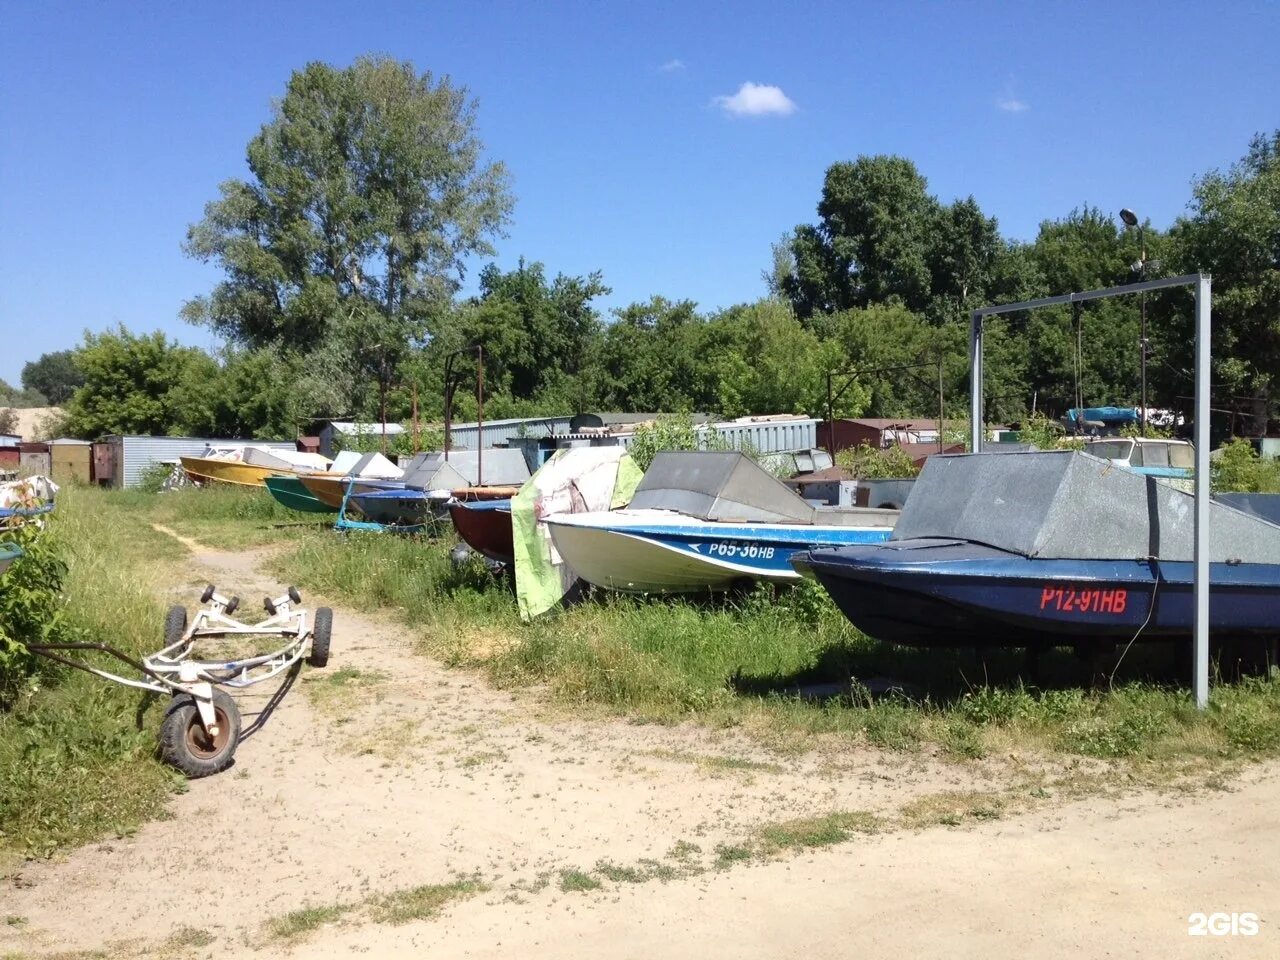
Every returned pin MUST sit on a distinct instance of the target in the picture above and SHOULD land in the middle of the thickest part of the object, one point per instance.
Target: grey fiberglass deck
(1264, 505)
(501, 468)
(1070, 505)
(730, 487)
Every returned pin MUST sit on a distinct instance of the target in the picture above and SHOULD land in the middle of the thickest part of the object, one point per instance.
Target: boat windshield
(1110, 449)
(1182, 455)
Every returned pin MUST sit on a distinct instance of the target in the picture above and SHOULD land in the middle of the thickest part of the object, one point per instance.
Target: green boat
(290, 492)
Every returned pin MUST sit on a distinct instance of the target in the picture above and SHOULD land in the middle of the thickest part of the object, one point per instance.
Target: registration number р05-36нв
(1072, 600)
(751, 551)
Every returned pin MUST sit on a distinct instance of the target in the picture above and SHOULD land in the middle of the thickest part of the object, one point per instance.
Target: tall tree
(536, 335)
(368, 195)
(54, 375)
(1233, 233)
(871, 242)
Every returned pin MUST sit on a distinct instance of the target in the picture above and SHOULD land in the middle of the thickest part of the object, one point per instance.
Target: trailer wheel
(294, 595)
(321, 631)
(188, 746)
(175, 625)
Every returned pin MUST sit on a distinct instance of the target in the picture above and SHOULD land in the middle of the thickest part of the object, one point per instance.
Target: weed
(575, 881)
(620, 874)
(728, 854)
(820, 831)
(299, 923)
(424, 902)
(189, 937)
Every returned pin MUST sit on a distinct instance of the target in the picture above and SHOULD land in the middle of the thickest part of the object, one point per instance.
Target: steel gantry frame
(1202, 283)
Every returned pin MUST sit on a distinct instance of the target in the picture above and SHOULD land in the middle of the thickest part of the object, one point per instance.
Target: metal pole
(942, 406)
(831, 421)
(479, 415)
(975, 384)
(1142, 239)
(1200, 682)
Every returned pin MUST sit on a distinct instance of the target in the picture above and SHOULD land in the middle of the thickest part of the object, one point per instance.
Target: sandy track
(416, 774)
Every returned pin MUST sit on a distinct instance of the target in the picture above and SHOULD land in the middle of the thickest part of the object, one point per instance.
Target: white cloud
(1009, 101)
(671, 66)
(756, 100)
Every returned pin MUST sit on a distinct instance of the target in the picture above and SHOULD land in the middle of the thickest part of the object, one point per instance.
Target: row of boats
(1025, 549)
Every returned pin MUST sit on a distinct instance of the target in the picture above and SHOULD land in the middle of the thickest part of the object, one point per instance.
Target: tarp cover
(1104, 414)
(574, 480)
(465, 468)
(285, 460)
(1068, 505)
(373, 466)
(730, 487)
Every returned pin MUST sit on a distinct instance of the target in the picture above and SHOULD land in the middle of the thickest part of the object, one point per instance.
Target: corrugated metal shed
(762, 434)
(133, 454)
(499, 432)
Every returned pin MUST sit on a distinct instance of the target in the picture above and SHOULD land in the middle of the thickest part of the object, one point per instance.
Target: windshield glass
(1110, 449)
(1182, 455)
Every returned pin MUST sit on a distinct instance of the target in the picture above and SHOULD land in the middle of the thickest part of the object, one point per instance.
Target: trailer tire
(321, 632)
(175, 625)
(187, 746)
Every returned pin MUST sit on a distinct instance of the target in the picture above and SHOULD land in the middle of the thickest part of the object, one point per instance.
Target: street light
(1131, 220)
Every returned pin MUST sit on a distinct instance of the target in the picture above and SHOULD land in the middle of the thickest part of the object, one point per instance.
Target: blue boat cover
(1112, 415)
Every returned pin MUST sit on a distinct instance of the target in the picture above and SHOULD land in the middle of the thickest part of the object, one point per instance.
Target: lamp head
(1129, 217)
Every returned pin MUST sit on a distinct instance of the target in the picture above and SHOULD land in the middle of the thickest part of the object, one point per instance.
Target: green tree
(871, 242)
(367, 197)
(649, 358)
(1233, 233)
(538, 337)
(134, 384)
(21, 399)
(54, 375)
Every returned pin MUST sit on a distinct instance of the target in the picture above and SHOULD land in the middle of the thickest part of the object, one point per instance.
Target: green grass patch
(823, 831)
(222, 517)
(296, 924)
(577, 881)
(421, 903)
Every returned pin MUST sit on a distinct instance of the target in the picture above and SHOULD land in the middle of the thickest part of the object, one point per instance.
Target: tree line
(344, 251)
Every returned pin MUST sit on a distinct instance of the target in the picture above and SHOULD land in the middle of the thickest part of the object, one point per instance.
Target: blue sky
(118, 121)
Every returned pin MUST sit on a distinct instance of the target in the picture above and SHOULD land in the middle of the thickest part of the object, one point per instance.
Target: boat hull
(397, 508)
(955, 593)
(290, 492)
(681, 556)
(230, 472)
(330, 489)
(485, 526)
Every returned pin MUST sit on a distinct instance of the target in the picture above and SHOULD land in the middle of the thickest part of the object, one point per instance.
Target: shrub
(31, 609)
(871, 464)
(1240, 469)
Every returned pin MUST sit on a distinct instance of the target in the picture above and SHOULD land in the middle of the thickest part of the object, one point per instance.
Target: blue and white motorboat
(705, 521)
(661, 551)
(1050, 548)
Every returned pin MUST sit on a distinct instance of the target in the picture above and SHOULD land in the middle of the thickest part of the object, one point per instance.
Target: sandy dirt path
(409, 774)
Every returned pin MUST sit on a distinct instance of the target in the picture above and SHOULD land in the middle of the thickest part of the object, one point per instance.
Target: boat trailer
(201, 727)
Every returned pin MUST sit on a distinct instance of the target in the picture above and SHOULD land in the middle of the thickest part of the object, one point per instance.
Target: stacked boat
(436, 479)
(248, 465)
(1045, 548)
